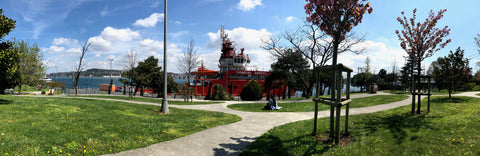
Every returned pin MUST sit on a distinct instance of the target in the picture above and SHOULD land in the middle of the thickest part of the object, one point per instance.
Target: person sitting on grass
(272, 104)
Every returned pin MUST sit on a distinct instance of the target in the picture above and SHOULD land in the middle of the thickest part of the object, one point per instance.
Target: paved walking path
(231, 139)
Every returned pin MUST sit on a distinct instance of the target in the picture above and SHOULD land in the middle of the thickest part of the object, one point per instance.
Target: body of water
(87, 82)
(94, 82)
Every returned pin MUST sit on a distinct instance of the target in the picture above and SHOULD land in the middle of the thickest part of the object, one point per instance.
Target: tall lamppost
(164, 101)
(111, 80)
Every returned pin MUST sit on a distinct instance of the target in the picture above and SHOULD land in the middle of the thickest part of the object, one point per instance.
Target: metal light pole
(164, 101)
(111, 80)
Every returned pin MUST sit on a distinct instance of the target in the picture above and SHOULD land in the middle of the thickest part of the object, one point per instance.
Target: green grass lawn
(452, 127)
(145, 99)
(43, 126)
(310, 106)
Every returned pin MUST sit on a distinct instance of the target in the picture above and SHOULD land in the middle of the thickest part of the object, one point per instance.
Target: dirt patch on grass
(325, 139)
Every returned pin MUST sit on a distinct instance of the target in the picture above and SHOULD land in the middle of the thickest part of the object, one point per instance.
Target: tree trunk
(19, 89)
(418, 82)
(110, 86)
(288, 92)
(76, 89)
(141, 91)
(332, 85)
(124, 89)
(135, 91)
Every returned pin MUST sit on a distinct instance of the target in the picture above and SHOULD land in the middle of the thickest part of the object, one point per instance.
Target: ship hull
(234, 81)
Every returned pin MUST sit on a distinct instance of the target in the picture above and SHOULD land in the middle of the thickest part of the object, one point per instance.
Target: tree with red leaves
(336, 18)
(421, 40)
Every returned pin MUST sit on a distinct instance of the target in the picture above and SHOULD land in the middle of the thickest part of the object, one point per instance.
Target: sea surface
(94, 82)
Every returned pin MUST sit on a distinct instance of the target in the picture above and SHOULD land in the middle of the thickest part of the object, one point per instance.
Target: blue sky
(61, 27)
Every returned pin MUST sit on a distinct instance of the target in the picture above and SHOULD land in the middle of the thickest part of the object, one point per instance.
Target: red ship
(233, 74)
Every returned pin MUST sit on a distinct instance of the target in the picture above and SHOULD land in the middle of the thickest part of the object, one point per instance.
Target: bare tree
(315, 45)
(76, 75)
(189, 61)
(394, 74)
(132, 59)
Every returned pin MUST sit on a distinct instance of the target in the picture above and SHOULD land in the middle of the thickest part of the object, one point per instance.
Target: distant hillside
(89, 73)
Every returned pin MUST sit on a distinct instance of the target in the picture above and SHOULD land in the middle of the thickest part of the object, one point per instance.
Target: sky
(60, 28)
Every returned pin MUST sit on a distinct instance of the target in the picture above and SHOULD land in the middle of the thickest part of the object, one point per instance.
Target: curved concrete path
(231, 139)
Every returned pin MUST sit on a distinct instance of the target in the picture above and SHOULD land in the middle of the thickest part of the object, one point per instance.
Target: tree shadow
(447, 100)
(271, 145)
(233, 149)
(5, 102)
(399, 124)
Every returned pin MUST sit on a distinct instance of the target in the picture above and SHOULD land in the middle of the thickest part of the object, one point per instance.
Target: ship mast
(222, 32)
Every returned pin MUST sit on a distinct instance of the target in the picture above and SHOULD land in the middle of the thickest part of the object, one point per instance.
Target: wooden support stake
(347, 91)
(428, 85)
(338, 87)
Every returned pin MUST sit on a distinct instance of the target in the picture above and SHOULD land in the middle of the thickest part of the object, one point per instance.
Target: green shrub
(231, 97)
(469, 86)
(219, 93)
(252, 91)
(476, 88)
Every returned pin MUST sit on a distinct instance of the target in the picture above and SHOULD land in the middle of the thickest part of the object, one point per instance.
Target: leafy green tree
(381, 79)
(9, 58)
(146, 71)
(252, 91)
(31, 68)
(157, 83)
(359, 80)
(150, 75)
(451, 72)
(293, 70)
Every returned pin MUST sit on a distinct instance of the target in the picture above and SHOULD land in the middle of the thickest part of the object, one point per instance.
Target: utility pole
(111, 80)
(164, 108)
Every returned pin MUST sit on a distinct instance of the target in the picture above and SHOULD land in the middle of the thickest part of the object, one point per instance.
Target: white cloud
(150, 21)
(381, 56)
(74, 51)
(64, 41)
(247, 5)
(178, 22)
(242, 37)
(100, 44)
(290, 18)
(151, 45)
(54, 49)
(123, 35)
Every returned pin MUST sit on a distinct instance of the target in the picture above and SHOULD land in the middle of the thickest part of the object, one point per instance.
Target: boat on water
(235, 72)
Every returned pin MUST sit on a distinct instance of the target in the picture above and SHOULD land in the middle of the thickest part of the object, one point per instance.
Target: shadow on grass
(452, 100)
(5, 102)
(271, 145)
(399, 125)
(233, 149)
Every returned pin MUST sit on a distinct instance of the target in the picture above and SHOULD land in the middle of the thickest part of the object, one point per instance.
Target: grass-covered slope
(42, 126)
